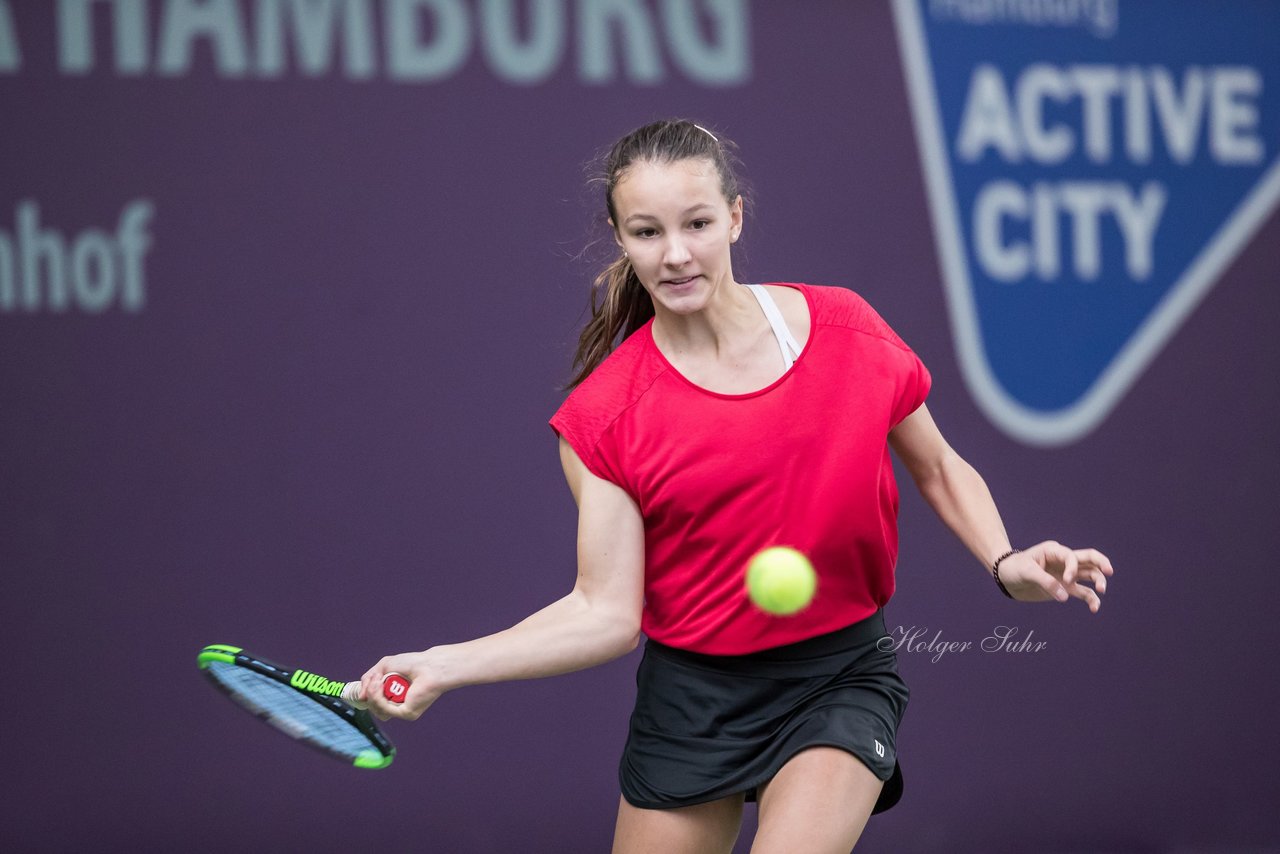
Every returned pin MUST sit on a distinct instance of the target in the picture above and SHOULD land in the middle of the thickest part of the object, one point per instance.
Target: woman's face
(676, 227)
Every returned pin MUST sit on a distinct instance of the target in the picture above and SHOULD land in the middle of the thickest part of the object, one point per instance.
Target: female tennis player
(710, 420)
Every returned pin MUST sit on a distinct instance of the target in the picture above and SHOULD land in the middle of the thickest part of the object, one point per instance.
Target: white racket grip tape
(351, 694)
(394, 688)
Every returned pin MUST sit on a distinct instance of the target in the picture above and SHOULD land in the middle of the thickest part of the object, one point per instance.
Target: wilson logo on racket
(313, 684)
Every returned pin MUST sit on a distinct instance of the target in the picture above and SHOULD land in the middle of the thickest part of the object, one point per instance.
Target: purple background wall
(323, 438)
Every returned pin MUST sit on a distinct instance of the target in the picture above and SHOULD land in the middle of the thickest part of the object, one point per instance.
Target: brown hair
(619, 303)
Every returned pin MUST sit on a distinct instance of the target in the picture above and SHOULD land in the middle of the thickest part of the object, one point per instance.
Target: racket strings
(290, 711)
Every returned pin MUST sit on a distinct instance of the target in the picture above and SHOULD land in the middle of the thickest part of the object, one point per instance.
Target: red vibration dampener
(395, 687)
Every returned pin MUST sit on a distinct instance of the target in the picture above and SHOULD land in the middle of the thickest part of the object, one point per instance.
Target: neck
(731, 315)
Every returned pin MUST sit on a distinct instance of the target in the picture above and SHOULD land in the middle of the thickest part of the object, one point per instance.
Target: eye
(699, 224)
(645, 233)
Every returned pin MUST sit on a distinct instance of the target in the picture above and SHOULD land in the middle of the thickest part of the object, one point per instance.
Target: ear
(617, 238)
(735, 219)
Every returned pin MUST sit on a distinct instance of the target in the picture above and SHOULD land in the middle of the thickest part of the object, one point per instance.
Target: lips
(675, 283)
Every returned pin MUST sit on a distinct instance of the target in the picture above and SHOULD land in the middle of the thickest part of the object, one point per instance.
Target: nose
(676, 253)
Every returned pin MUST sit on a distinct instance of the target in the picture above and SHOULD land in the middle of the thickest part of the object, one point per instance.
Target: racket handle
(394, 688)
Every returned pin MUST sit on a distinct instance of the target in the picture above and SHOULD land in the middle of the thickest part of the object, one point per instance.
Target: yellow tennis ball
(781, 580)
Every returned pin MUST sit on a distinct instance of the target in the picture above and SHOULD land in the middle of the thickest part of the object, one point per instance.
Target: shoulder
(877, 350)
(833, 306)
(615, 386)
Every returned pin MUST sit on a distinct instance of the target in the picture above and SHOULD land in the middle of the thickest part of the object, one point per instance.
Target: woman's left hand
(1050, 570)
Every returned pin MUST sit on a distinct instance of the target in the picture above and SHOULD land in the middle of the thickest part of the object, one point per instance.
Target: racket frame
(379, 755)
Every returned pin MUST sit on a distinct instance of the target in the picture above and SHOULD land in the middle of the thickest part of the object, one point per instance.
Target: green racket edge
(225, 654)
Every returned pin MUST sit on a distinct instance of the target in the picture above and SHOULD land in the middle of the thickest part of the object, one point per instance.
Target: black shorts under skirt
(709, 726)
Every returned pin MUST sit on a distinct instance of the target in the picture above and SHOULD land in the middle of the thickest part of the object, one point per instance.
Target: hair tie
(708, 133)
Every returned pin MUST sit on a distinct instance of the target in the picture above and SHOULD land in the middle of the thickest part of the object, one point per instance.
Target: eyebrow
(684, 213)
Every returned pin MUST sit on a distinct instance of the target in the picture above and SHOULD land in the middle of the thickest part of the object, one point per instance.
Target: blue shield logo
(1092, 167)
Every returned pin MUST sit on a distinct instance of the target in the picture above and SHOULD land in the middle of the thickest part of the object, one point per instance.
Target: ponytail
(619, 306)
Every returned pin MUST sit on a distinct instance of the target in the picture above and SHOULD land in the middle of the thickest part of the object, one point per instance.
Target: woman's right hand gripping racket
(394, 687)
(320, 712)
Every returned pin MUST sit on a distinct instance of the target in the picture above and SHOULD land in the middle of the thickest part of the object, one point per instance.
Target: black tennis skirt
(709, 726)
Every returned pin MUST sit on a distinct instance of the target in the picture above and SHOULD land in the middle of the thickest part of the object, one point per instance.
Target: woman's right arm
(598, 621)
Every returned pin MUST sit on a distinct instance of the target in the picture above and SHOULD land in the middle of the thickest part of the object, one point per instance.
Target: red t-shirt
(803, 462)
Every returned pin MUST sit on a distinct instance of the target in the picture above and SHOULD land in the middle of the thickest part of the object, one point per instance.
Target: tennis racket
(316, 711)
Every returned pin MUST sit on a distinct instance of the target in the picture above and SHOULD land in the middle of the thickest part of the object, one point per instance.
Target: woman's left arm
(960, 497)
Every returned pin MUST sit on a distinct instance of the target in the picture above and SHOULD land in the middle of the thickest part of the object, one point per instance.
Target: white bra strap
(780, 331)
